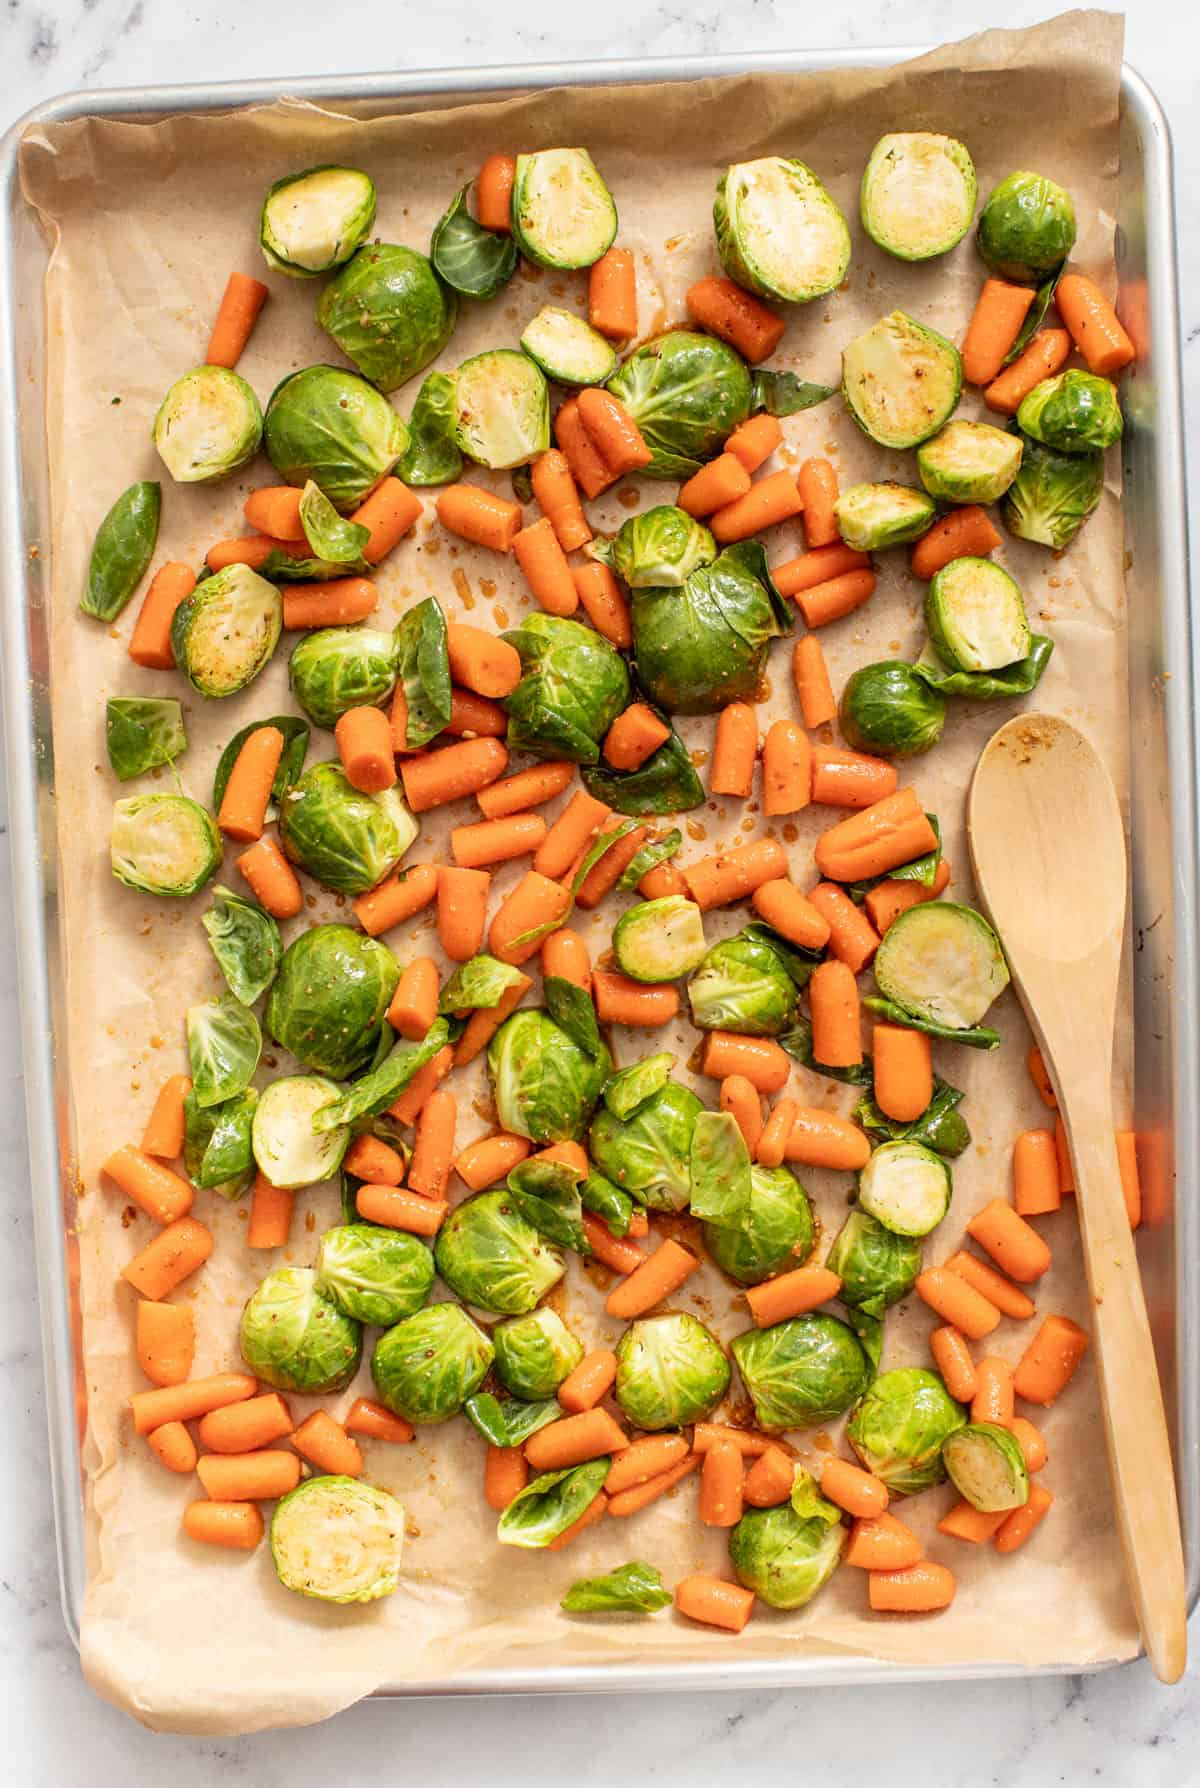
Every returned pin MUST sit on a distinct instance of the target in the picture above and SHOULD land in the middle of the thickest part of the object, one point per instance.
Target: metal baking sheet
(1163, 726)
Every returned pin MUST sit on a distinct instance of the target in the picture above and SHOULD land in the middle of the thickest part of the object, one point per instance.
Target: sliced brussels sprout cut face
(142, 732)
(501, 409)
(534, 1353)
(784, 1557)
(374, 1275)
(906, 1187)
(208, 425)
(918, 194)
(873, 516)
(901, 381)
(659, 940)
(224, 633)
(491, 1257)
(312, 222)
(164, 844)
(573, 686)
(567, 349)
(1026, 228)
(876, 1267)
(545, 1085)
(987, 1467)
(294, 1339)
(336, 668)
(327, 424)
(899, 1428)
(743, 985)
(389, 313)
(337, 1539)
(778, 231)
(670, 1370)
(942, 962)
(807, 1370)
(648, 1155)
(975, 614)
(345, 839)
(1076, 412)
(428, 1365)
(289, 1152)
(777, 1233)
(687, 393)
(969, 462)
(658, 549)
(563, 215)
(889, 711)
(1053, 494)
(328, 1000)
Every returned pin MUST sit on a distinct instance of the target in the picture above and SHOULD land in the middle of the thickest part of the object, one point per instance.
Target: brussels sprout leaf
(551, 1504)
(1035, 316)
(424, 670)
(142, 732)
(216, 1143)
(808, 1502)
(798, 963)
(546, 1193)
(432, 455)
(979, 1037)
(224, 1044)
(246, 943)
(481, 982)
(606, 1201)
(634, 1588)
(291, 765)
(331, 536)
(658, 850)
(939, 1127)
(798, 1041)
(509, 1424)
(573, 1012)
(122, 550)
(987, 686)
(869, 1329)
(719, 1167)
(665, 783)
(783, 394)
(632, 1086)
(521, 479)
(383, 1085)
(476, 262)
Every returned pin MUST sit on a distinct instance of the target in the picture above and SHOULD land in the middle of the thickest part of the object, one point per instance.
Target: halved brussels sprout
(687, 393)
(217, 1156)
(901, 381)
(551, 1504)
(164, 844)
(142, 732)
(704, 645)
(670, 1370)
(876, 1267)
(900, 1426)
(337, 1539)
(545, 1085)
(313, 221)
(207, 425)
(785, 1554)
(374, 1275)
(329, 425)
(224, 633)
(224, 1044)
(778, 231)
(969, 462)
(336, 668)
(887, 709)
(659, 940)
(289, 1152)
(573, 685)
(501, 409)
(807, 1370)
(986, 686)
(906, 1187)
(743, 985)
(568, 349)
(389, 313)
(986, 1465)
(943, 962)
(975, 614)
(294, 1339)
(776, 1234)
(873, 516)
(1027, 228)
(1075, 412)
(648, 1155)
(491, 1257)
(1053, 494)
(429, 1364)
(246, 943)
(534, 1353)
(563, 215)
(918, 194)
(347, 840)
(328, 1000)
(658, 549)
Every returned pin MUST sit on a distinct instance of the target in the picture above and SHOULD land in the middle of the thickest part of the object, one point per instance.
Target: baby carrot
(748, 1441)
(433, 1148)
(574, 1439)
(588, 467)
(1039, 1076)
(722, 481)
(338, 603)
(924, 1588)
(394, 1208)
(535, 905)
(486, 1162)
(993, 1399)
(270, 1221)
(1008, 1298)
(952, 1357)
(837, 597)
(791, 1294)
(850, 778)
(836, 1016)
(964, 533)
(388, 514)
(789, 913)
(786, 768)
(714, 1602)
(1046, 354)
(243, 811)
(756, 1059)
(1131, 1183)
(364, 742)
(612, 431)
(163, 1135)
(497, 841)
(275, 509)
(590, 1380)
(1066, 1168)
(462, 896)
(479, 516)
(396, 899)
(755, 440)
(634, 735)
(150, 641)
(166, 1341)
(742, 1099)
(721, 1479)
(817, 484)
(455, 771)
(249, 1477)
(482, 661)
(602, 602)
(251, 549)
(237, 314)
(639, 1223)
(1035, 1174)
(595, 1511)
(483, 1025)
(246, 1426)
(629, 1502)
(660, 881)
(1014, 1245)
(739, 318)
(571, 833)
(612, 294)
(658, 1275)
(619, 1255)
(622, 1001)
(235, 1524)
(173, 1447)
(643, 1460)
(823, 565)
(173, 1256)
(526, 789)
(368, 1158)
(880, 837)
(557, 495)
(810, 673)
(1021, 1523)
(376, 1422)
(852, 937)
(565, 955)
(995, 325)
(903, 1066)
(768, 502)
(505, 1475)
(976, 1526)
(772, 1144)
(888, 899)
(493, 193)
(1093, 324)
(1050, 1361)
(882, 1543)
(325, 1444)
(608, 869)
(544, 563)
(185, 1402)
(859, 1492)
(271, 879)
(425, 1082)
(727, 876)
(957, 1303)
(1031, 1441)
(769, 1480)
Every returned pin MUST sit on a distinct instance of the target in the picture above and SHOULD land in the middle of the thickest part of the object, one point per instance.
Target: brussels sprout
(545, 1085)
(423, 666)
(939, 1127)
(432, 455)
(551, 1504)
(288, 1150)
(900, 1425)
(719, 1169)
(216, 1143)
(943, 962)
(986, 1466)
(648, 1155)
(633, 1588)
(501, 409)
(1075, 412)
(345, 839)
(164, 844)
(329, 425)
(246, 943)
(776, 1234)
(666, 782)
(329, 998)
(337, 1539)
(296, 735)
(331, 538)
(876, 1267)
(629, 1089)
(491, 1257)
(786, 1557)
(374, 1275)
(429, 1364)
(563, 215)
(122, 550)
(687, 393)
(573, 686)
(889, 710)
(337, 668)
(918, 194)
(778, 231)
(700, 647)
(294, 1339)
(389, 313)
(142, 732)
(313, 221)
(658, 549)
(986, 686)
(224, 1044)
(476, 262)
(509, 1424)
(547, 1194)
(975, 613)
(743, 985)
(873, 516)
(479, 984)
(670, 1370)
(901, 381)
(567, 349)
(969, 462)
(534, 1353)
(386, 1080)
(906, 1187)
(207, 425)
(224, 633)
(659, 940)
(1053, 494)
(799, 1373)
(1027, 228)
(608, 1202)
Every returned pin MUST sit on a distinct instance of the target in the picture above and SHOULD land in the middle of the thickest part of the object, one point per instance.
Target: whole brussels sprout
(888, 710)
(225, 632)
(313, 221)
(375, 1275)
(345, 839)
(778, 231)
(807, 1370)
(687, 393)
(899, 1428)
(164, 844)
(573, 685)
(338, 1540)
(328, 1000)
(670, 1370)
(429, 1364)
(876, 1267)
(388, 312)
(491, 1257)
(785, 1555)
(658, 549)
(704, 645)
(648, 1155)
(329, 425)
(534, 1353)
(1053, 494)
(1075, 412)
(545, 1085)
(743, 985)
(1027, 228)
(295, 1339)
(336, 668)
(208, 425)
(778, 1232)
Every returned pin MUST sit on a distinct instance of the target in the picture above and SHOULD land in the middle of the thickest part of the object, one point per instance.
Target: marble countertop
(1120, 1728)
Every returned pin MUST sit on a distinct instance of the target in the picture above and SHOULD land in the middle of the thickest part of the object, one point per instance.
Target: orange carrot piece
(772, 1144)
(727, 876)
(786, 768)
(166, 1341)
(859, 1492)
(589, 469)
(924, 1588)
(957, 1303)
(570, 834)
(852, 937)
(791, 1294)
(253, 550)
(150, 641)
(639, 1223)
(271, 1208)
(741, 1097)
(1093, 323)
(1050, 1361)
(394, 1208)
(1021, 1523)
(1046, 354)
(836, 598)
(368, 1158)
(462, 897)
(238, 1525)
(565, 955)
(769, 1480)
(877, 838)
(595, 1511)
(964, 533)
(811, 570)
(590, 1380)
(1035, 1174)
(185, 1402)
(768, 502)
(1040, 1077)
(1008, 1298)
(439, 777)
(248, 1477)
(734, 750)
(602, 602)
(526, 789)
(882, 1543)
(634, 735)
(433, 1149)
(739, 318)
(536, 905)
(489, 1160)
(338, 603)
(713, 1602)
(952, 1357)
(377, 1423)
(245, 1426)
(721, 1480)
(274, 509)
(810, 673)
(412, 1011)
(791, 914)
(659, 1274)
(398, 898)
(607, 870)
(325, 1444)
(755, 440)
(643, 1460)
(612, 431)
(237, 314)
(612, 294)
(817, 484)
(424, 1083)
(995, 325)
(1131, 1183)
(662, 880)
(544, 563)
(479, 516)
(1031, 1441)
(493, 193)
(619, 1255)
(574, 1439)
(173, 1447)
(505, 1475)
(388, 514)
(481, 661)
(976, 1526)
(756, 1059)
(903, 1064)
(1013, 1244)
(173, 1256)
(749, 1441)
(497, 841)
(364, 742)
(558, 497)
(850, 778)
(721, 482)
(163, 1135)
(622, 1001)
(483, 1025)
(243, 811)
(836, 1016)
(993, 1399)
(888, 899)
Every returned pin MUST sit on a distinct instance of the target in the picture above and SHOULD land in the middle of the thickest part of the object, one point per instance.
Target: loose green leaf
(808, 1502)
(869, 1329)
(573, 1012)
(783, 394)
(634, 1588)
(246, 943)
(551, 1504)
(291, 765)
(606, 1201)
(382, 1085)
(987, 686)
(476, 262)
(798, 1042)
(719, 1167)
(332, 536)
(658, 850)
(283, 567)
(521, 479)
(547, 1195)
(666, 783)
(480, 983)
(142, 732)
(509, 1423)
(122, 550)
(940, 1127)
(1035, 316)
(424, 670)
(217, 1151)
(224, 1044)
(631, 1087)
(980, 1037)
(432, 455)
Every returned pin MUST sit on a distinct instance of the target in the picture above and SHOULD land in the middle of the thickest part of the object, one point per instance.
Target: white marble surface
(1120, 1728)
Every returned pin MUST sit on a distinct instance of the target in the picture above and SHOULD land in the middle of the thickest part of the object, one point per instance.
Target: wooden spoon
(1048, 848)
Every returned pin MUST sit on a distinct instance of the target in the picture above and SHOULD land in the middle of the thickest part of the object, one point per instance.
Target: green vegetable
(1053, 494)
(164, 844)
(424, 671)
(651, 854)
(345, 839)
(427, 1366)
(778, 231)
(380, 1088)
(941, 962)
(1075, 412)
(687, 393)
(224, 1044)
(337, 1539)
(573, 686)
(509, 1424)
(798, 1042)
(900, 1425)
(786, 1556)
(889, 710)
(1027, 228)
(659, 940)
(288, 1149)
(608, 1202)
(475, 262)
(295, 748)
(534, 1353)
(776, 1233)
(987, 1467)
(331, 538)
(1035, 316)
(501, 409)
(567, 349)
(743, 985)
(334, 669)
(670, 1370)
(802, 1372)
(969, 462)
(547, 1194)
(918, 194)
(207, 425)
(648, 1155)
(491, 1257)
(901, 381)
(719, 1170)
(217, 1155)
(480, 983)
(873, 516)
(225, 632)
(313, 221)
(294, 1339)
(633, 1588)
(389, 313)
(629, 1089)
(658, 549)
(122, 550)
(545, 1085)
(876, 1266)
(939, 1127)
(563, 215)
(906, 1187)
(987, 686)
(665, 783)
(142, 732)
(246, 943)
(374, 1275)
(976, 616)
(973, 1037)
(432, 455)
(329, 425)
(329, 998)
(700, 647)
(783, 394)
(551, 1504)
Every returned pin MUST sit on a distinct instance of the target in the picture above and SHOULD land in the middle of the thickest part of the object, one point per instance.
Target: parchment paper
(146, 221)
